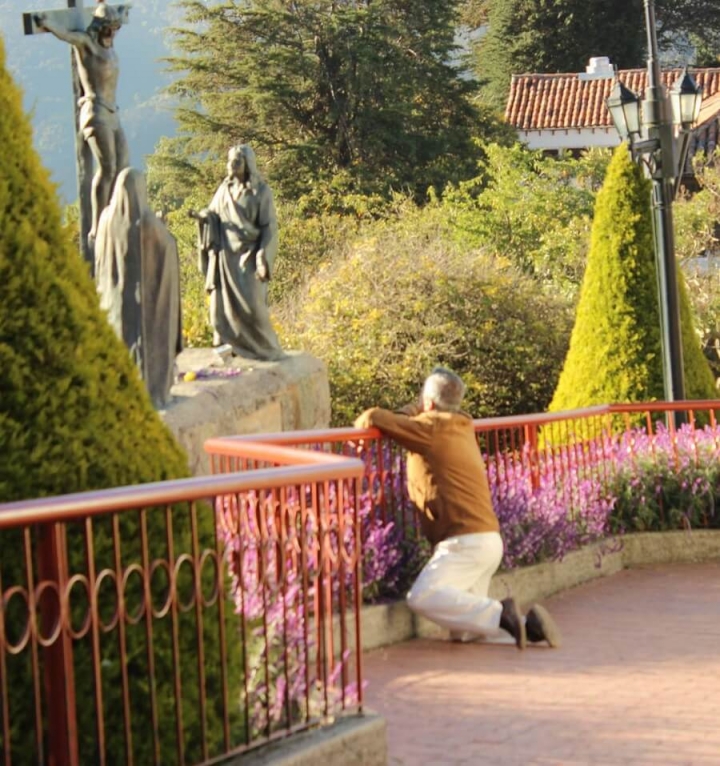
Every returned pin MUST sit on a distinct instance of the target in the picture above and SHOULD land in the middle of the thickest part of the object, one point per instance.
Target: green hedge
(74, 416)
(614, 353)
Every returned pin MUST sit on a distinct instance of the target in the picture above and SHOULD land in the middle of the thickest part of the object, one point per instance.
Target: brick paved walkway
(637, 681)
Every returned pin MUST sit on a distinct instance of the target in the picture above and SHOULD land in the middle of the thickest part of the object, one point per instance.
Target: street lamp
(658, 131)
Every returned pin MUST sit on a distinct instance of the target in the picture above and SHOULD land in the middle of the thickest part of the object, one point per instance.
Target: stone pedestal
(264, 397)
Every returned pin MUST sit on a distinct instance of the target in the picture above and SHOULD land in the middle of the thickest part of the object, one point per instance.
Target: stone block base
(265, 397)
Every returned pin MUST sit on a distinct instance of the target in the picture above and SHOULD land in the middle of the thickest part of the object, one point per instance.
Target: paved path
(637, 681)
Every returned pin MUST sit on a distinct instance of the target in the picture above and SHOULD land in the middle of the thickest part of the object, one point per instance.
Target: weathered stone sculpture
(137, 274)
(237, 246)
(98, 70)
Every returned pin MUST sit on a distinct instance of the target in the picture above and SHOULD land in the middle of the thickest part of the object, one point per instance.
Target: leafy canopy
(406, 296)
(698, 238)
(535, 211)
(365, 96)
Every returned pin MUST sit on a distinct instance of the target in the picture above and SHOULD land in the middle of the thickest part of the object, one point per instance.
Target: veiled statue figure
(238, 240)
(137, 274)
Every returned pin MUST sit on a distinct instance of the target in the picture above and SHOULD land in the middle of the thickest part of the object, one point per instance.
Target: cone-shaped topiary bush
(74, 415)
(614, 353)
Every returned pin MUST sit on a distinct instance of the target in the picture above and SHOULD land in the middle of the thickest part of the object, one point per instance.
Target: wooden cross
(77, 18)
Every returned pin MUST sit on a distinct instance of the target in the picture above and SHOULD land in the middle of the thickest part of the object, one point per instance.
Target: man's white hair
(445, 389)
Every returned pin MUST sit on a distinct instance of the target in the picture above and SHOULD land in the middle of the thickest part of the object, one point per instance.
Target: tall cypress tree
(368, 96)
(75, 416)
(74, 413)
(614, 353)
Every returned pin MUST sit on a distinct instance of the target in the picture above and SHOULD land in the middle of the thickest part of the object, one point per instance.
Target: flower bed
(635, 482)
(665, 481)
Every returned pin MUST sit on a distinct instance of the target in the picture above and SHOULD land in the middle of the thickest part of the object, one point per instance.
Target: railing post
(531, 440)
(58, 660)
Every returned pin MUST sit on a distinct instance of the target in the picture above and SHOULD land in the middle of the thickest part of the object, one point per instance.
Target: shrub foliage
(614, 353)
(407, 297)
(75, 416)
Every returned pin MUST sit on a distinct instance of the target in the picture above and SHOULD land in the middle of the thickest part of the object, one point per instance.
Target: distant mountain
(41, 66)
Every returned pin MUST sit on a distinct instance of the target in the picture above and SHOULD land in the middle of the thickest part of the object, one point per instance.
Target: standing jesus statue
(98, 70)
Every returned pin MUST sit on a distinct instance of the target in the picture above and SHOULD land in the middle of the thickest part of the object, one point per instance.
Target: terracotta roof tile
(561, 101)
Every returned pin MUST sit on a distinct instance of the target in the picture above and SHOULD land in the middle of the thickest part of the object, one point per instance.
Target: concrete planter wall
(356, 740)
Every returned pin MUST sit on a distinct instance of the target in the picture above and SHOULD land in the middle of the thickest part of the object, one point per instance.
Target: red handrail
(309, 467)
(86, 585)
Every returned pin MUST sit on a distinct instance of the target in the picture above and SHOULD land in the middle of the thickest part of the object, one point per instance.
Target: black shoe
(511, 620)
(540, 626)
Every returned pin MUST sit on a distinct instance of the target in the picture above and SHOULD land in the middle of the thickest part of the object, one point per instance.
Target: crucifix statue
(99, 135)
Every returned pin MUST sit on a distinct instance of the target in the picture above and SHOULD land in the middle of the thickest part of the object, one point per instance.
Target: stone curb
(358, 740)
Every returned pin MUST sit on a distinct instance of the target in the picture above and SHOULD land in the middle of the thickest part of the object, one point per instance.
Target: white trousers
(452, 589)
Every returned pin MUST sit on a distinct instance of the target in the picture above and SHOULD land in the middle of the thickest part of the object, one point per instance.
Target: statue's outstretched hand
(39, 19)
(262, 269)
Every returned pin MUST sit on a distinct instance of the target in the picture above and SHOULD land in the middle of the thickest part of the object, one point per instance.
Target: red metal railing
(563, 448)
(184, 621)
(384, 460)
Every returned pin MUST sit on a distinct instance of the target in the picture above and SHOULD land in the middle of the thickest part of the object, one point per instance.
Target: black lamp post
(658, 131)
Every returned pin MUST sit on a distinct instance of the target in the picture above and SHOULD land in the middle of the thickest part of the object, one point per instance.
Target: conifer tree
(364, 97)
(527, 36)
(75, 416)
(74, 413)
(614, 353)
(534, 36)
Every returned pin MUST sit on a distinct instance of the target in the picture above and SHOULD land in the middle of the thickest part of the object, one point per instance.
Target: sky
(40, 65)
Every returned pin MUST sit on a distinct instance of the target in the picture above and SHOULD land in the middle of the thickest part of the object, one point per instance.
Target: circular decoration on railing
(133, 594)
(16, 615)
(312, 559)
(329, 547)
(267, 566)
(160, 588)
(48, 616)
(209, 578)
(79, 611)
(349, 548)
(292, 520)
(292, 554)
(227, 514)
(184, 582)
(106, 598)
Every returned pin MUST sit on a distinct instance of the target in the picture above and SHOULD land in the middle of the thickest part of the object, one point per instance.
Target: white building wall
(573, 138)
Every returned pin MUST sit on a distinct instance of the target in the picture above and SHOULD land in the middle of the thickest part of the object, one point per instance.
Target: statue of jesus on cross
(99, 122)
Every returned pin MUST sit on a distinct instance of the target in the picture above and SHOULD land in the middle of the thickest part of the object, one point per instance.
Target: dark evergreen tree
(614, 353)
(537, 36)
(75, 416)
(352, 95)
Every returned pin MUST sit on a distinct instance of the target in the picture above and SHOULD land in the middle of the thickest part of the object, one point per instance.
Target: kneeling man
(448, 485)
